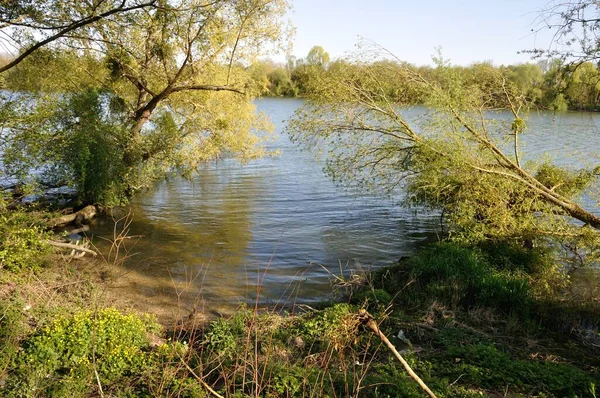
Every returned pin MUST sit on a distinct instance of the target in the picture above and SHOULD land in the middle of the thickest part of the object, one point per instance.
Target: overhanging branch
(70, 28)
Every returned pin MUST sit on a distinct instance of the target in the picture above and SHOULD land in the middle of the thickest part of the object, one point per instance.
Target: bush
(73, 354)
(21, 242)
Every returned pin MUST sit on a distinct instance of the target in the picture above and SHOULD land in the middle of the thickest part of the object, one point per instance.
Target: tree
(575, 25)
(281, 83)
(306, 72)
(317, 56)
(171, 91)
(555, 82)
(453, 158)
(583, 86)
(53, 20)
(528, 79)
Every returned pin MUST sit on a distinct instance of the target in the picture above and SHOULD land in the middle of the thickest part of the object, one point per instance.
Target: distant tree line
(552, 84)
(549, 84)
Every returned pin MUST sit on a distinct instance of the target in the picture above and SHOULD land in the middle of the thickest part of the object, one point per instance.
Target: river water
(276, 230)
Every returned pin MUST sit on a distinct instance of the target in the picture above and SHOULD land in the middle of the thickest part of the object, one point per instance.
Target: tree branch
(207, 87)
(70, 28)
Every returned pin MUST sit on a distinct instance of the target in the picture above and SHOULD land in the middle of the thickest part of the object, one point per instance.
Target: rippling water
(277, 227)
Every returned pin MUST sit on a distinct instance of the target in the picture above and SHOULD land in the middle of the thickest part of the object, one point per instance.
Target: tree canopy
(456, 157)
(121, 100)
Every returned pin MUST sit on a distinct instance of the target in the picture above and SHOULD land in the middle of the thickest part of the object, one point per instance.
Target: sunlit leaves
(457, 155)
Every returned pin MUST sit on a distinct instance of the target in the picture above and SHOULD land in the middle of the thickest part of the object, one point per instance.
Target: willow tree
(455, 155)
(31, 25)
(130, 96)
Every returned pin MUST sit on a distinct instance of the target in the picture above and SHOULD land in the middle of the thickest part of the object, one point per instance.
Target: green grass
(467, 319)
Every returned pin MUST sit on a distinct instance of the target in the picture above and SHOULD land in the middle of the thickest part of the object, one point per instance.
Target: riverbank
(470, 321)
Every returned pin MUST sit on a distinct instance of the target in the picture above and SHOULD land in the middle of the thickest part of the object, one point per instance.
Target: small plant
(335, 324)
(22, 242)
(13, 324)
(77, 352)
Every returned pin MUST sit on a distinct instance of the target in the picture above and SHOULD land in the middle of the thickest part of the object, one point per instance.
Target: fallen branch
(82, 229)
(71, 246)
(200, 380)
(85, 214)
(367, 320)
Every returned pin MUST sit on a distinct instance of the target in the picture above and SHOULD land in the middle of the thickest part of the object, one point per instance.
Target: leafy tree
(453, 158)
(583, 86)
(528, 79)
(281, 83)
(35, 24)
(555, 82)
(317, 56)
(260, 75)
(169, 92)
(306, 73)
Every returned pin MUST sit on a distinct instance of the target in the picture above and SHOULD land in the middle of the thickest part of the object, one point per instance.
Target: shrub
(74, 353)
(22, 243)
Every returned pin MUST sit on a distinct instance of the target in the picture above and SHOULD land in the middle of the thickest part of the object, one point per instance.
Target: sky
(466, 30)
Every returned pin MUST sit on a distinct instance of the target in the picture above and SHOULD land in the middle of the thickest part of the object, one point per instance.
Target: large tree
(455, 157)
(130, 96)
(26, 25)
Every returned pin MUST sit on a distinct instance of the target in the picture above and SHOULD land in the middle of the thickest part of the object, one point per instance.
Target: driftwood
(83, 215)
(367, 320)
(71, 246)
(82, 229)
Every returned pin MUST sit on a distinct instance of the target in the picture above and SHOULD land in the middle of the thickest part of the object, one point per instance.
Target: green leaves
(22, 246)
(129, 98)
(457, 155)
(67, 353)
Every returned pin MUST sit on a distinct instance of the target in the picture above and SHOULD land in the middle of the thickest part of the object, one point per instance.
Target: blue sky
(468, 31)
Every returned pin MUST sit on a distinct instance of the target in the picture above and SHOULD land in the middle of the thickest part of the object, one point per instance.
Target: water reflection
(259, 231)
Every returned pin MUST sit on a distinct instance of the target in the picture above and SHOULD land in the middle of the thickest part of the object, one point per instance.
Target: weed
(77, 352)
(22, 245)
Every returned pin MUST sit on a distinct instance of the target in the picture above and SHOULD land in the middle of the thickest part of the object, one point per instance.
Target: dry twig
(367, 320)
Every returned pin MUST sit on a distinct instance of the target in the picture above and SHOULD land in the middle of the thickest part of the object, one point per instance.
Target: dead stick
(367, 320)
(71, 247)
(204, 384)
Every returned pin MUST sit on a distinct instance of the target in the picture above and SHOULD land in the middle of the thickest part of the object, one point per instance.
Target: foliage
(490, 367)
(455, 156)
(67, 355)
(317, 56)
(319, 353)
(13, 325)
(22, 246)
(462, 277)
(296, 78)
(156, 89)
(548, 84)
(334, 325)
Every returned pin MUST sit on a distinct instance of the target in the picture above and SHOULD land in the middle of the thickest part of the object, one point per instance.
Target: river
(277, 231)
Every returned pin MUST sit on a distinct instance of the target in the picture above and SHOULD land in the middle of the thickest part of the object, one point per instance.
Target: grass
(471, 321)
